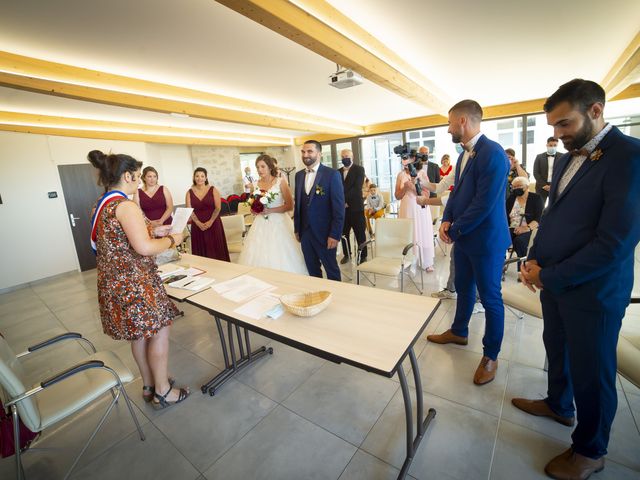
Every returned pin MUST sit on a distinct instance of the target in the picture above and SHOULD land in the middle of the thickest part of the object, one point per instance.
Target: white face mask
(552, 150)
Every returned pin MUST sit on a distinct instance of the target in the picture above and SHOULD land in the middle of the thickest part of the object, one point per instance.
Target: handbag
(7, 444)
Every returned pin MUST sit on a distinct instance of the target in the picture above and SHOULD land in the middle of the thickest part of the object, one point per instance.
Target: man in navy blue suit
(582, 261)
(319, 212)
(476, 220)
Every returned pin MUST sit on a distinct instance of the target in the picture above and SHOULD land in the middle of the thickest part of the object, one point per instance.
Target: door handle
(73, 219)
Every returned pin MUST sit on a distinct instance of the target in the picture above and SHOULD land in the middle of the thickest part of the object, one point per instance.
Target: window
(327, 157)
(249, 160)
(380, 164)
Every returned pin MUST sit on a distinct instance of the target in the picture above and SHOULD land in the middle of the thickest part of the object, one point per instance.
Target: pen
(188, 283)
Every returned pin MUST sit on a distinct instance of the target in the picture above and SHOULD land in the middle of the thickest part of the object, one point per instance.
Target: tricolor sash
(106, 198)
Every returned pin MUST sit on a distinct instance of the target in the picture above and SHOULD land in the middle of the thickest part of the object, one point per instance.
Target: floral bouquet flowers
(260, 200)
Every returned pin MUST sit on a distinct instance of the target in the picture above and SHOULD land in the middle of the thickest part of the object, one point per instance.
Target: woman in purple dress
(207, 232)
(153, 199)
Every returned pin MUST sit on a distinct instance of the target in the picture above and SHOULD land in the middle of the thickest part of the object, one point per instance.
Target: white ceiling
(495, 51)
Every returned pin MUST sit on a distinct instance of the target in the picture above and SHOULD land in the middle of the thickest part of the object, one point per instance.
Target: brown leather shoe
(486, 371)
(447, 337)
(570, 465)
(540, 408)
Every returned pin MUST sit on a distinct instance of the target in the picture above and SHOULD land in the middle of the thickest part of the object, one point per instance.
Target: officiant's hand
(162, 231)
(332, 243)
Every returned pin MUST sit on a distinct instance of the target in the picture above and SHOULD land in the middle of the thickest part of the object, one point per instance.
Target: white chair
(245, 211)
(234, 228)
(629, 349)
(392, 251)
(61, 395)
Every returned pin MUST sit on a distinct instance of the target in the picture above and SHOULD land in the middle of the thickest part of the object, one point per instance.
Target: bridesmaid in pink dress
(153, 199)
(422, 223)
(207, 232)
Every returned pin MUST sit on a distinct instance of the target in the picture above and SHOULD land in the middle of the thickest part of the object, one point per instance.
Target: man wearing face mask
(543, 168)
(352, 180)
(524, 210)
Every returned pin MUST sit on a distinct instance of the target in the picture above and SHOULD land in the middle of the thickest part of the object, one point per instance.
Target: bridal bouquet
(260, 200)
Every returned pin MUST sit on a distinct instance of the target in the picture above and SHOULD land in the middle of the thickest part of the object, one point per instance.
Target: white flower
(264, 200)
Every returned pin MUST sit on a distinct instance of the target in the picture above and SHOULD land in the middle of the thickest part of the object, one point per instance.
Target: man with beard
(582, 261)
(476, 220)
(319, 212)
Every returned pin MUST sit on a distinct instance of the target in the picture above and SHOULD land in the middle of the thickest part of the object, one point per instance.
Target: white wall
(36, 240)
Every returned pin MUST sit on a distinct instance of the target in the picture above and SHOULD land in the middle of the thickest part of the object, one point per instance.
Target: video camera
(406, 153)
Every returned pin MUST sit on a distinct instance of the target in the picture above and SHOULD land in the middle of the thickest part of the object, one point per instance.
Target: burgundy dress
(209, 243)
(155, 206)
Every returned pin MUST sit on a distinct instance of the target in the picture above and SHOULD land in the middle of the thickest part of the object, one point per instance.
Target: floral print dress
(133, 301)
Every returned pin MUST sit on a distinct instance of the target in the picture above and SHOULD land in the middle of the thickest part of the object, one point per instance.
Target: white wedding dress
(271, 242)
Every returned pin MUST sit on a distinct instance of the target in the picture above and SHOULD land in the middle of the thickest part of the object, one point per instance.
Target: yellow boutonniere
(319, 190)
(595, 155)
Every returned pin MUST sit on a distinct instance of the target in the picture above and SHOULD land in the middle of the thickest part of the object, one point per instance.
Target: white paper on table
(242, 288)
(180, 219)
(192, 283)
(259, 306)
(169, 269)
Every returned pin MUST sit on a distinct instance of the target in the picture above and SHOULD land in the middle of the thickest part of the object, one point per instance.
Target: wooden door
(80, 193)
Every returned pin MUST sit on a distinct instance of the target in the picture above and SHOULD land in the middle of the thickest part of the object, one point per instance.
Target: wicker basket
(306, 304)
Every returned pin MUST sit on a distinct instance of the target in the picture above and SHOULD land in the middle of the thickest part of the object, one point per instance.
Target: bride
(271, 242)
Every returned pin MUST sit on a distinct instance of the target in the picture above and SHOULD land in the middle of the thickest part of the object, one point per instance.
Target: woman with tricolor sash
(134, 305)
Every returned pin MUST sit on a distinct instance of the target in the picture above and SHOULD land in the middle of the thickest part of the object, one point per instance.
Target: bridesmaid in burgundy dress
(207, 232)
(154, 200)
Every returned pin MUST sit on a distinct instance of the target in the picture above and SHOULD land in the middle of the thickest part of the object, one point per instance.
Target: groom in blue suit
(475, 219)
(582, 259)
(319, 212)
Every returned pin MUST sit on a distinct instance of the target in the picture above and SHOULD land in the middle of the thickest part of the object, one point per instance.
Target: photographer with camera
(408, 187)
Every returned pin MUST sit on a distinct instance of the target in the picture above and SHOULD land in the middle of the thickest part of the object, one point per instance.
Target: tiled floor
(294, 416)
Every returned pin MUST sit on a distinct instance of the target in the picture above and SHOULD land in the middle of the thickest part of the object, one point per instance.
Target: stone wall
(223, 164)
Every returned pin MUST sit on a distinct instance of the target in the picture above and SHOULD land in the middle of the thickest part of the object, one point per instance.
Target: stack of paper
(260, 306)
(242, 288)
(192, 283)
(169, 269)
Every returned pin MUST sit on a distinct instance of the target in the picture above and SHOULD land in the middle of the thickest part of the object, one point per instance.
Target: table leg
(413, 442)
(233, 365)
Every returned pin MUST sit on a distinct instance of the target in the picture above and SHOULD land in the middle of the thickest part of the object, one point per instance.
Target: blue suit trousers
(485, 271)
(316, 253)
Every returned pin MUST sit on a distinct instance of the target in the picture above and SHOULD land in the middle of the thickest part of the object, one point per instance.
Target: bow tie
(309, 170)
(581, 152)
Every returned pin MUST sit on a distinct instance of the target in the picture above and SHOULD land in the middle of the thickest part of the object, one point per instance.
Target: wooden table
(371, 329)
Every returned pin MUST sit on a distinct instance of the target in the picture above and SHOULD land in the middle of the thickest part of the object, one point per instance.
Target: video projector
(345, 79)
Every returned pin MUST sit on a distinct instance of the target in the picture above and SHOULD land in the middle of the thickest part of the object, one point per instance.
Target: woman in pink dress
(422, 223)
(207, 232)
(153, 199)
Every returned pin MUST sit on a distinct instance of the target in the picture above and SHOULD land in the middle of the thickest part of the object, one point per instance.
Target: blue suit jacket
(476, 205)
(587, 236)
(326, 204)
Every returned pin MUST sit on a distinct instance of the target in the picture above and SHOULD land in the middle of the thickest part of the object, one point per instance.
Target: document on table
(180, 219)
(259, 306)
(192, 283)
(169, 269)
(242, 288)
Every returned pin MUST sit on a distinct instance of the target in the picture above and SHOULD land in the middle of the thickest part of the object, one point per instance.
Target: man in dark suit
(319, 212)
(582, 260)
(352, 181)
(475, 219)
(543, 168)
(433, 170)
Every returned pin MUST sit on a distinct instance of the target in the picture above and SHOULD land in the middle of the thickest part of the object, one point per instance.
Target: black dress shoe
(345, 259)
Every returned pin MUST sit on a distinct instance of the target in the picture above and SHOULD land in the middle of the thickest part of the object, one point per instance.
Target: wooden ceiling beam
(317, 26)
(89, 128)
(625, 71)
(58, 79)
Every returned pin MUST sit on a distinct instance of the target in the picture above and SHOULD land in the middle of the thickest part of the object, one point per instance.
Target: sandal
(149, 390)
(164, 403)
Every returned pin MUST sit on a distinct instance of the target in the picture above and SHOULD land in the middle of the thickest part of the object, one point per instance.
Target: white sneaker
(477, 308)
(444, 293)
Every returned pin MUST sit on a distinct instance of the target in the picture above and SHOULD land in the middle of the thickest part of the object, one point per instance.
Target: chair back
(392, 235)
(224, 207)
(233, 228)
(244, 209)
(12, 382)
